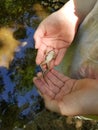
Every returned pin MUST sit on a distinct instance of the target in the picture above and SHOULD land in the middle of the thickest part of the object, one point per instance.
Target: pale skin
(57, 31)
(60, 93)
(68, 96)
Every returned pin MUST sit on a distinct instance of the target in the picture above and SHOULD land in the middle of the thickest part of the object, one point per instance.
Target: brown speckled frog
(49, 57)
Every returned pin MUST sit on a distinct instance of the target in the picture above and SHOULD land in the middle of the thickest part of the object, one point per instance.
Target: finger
(39, 74)
(61, 94)
(60, 56)
(59, 75)
(54, 80)
(51, 86)
(41, 54)
(66, 89)
(43, 88)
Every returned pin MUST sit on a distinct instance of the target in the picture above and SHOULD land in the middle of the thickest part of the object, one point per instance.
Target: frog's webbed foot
(46, 69)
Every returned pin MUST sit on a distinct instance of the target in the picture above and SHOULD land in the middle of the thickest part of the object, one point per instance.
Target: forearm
(77, 10)
(82, 8)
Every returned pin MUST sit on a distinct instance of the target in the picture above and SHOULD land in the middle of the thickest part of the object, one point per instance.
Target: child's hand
(56, 33)
(68, 96)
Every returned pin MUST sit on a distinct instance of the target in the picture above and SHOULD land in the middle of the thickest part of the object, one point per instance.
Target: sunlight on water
(8, 44)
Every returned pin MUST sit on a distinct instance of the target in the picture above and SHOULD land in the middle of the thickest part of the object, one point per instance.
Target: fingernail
(39, 74)
(35, 78)
(36, 47)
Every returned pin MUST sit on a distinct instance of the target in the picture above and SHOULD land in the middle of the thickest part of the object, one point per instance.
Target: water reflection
(19, 99)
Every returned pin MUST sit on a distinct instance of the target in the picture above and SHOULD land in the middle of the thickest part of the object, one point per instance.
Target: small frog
(49, 57)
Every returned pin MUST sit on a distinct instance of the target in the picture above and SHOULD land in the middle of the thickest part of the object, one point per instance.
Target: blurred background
(21, 107)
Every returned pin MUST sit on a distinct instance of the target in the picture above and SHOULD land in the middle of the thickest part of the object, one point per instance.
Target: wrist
(70, 11)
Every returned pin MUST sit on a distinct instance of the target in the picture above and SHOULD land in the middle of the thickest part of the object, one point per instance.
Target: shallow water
(20, 102)
(19, 99)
